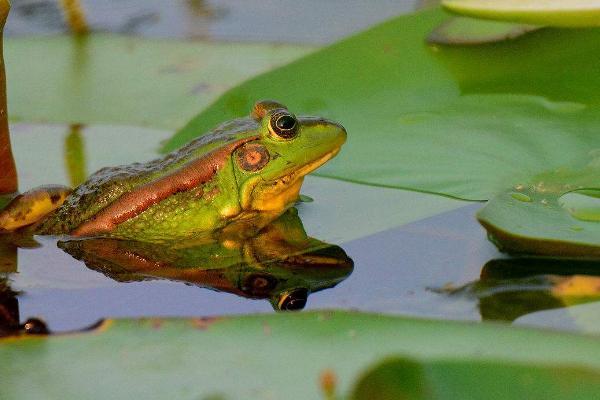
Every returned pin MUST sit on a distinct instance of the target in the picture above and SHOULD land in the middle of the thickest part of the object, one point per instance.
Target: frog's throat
(280, 193)
(135, 202)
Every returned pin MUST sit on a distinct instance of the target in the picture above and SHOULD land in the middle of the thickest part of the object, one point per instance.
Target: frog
(233, 180)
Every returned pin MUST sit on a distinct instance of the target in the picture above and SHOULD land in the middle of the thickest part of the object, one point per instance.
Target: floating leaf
(571, 13)
(253, 357)
(530, 219)
(401, 378)
(471, 31)
(113, 79)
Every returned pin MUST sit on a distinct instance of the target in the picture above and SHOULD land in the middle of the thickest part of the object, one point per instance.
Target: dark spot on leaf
(328, 383)
(204, 322)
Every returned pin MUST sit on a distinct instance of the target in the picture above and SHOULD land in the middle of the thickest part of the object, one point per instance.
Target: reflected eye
(252, 157)
(294, 300)
(284, 125)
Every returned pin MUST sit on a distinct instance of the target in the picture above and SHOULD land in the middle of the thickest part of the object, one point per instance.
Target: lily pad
(114, 79)
(571, 13)
(465, 122)
(400, 378)
(263, 356)
(530, 219)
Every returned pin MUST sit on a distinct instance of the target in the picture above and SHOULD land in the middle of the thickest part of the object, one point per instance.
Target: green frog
(233, 180)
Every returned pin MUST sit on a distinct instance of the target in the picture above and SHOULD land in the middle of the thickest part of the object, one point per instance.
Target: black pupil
(285, 122)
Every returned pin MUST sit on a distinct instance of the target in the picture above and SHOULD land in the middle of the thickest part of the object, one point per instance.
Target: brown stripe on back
(141, 198)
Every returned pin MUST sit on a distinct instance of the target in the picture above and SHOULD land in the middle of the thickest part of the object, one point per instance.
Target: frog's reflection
(281, 263)
(510, 288)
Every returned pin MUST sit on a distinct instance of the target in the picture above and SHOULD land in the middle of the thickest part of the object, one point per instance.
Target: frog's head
(270, 170)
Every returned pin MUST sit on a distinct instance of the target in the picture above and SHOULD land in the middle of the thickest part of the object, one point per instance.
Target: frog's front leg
(32, 206)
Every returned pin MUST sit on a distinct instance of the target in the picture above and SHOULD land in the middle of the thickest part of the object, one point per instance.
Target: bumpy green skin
(233, 197)
(108, 184)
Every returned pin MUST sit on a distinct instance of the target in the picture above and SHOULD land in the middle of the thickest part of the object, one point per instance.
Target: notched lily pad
(532, 218)
(471, 31)
(571, 13)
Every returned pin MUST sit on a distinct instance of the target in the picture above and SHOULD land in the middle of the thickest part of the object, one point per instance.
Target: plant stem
(75, 16)
(8, 171)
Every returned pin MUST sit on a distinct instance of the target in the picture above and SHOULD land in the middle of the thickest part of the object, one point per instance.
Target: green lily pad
(400, 378)
(571, 13)
(465, 122)
(529, 218)
(471, 31)
(114, 79)
(263, 356)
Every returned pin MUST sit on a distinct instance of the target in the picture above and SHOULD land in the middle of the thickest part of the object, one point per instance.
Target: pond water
(422, 262)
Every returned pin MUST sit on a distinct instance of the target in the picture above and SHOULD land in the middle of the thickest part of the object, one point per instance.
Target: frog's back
(108, 184)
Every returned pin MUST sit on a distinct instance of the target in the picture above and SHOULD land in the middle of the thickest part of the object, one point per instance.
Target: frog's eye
(252, 157)
(283, 124)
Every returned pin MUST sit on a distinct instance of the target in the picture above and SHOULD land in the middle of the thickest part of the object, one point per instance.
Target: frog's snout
(325, 132)
(340, 132)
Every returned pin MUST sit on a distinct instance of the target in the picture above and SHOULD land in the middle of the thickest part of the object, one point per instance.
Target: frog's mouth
(280, 193)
